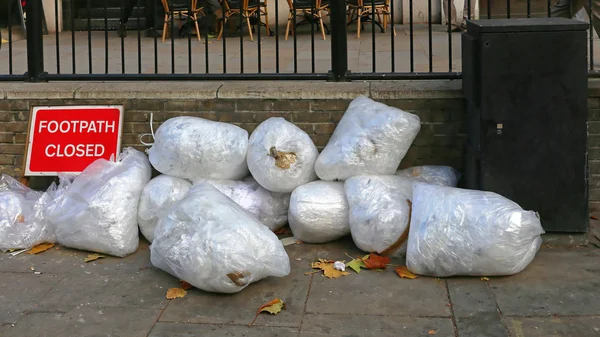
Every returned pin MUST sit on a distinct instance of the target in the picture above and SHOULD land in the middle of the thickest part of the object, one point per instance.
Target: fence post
(35, 40)
(339, 42)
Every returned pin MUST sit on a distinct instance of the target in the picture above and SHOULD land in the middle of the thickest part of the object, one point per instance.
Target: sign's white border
(31, 133)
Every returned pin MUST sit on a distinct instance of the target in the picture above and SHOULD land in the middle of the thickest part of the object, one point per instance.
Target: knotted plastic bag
(463, 232)
(319, 212)
(193, 148)
(158, 195)
(370, 139)
(379, 212)
(99, 210)
(281, 156)
(214, 244)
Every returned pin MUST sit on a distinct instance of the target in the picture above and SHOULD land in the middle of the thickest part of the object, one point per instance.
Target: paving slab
(207, 330)
(53, 261)
(377, 326)
(86, 321)
(240, 308)
(558, 281)
(141, 289)
(555, 326)
(23, 292)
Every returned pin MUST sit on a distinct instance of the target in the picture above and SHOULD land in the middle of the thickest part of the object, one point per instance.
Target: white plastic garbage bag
(193, 148)
(438, 175)
(99, 211)
(463, 232)
(379, 212)
(22, 215)
(270, 208)
(281, 156)
(371, 138)
(319, 212)
(158, 195)
(214, 244)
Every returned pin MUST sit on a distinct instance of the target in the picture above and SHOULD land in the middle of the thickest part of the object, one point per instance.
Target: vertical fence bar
(106, 36)
(591, 35)
(339, 41)
(10, 46)
(155, 11)
(312, 35)
(528, 8)
(412, 38)
(89, 34)
(191, 12)
(73, 53)
(374, 61)
(139, 36)
(277, 36)
(430, 33)
(392, 36)
(549, 8)
(172, 34)
(206, 58)
(489, 9)
(223, 37)
(35, 41)
(258, 49)
(295, 31)
(240, 3)
(122, 44)
(449, 21)
(508, 9)
(56, 25)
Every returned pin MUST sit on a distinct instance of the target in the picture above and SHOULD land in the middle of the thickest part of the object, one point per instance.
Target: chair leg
(223, 21)
(195, 17)
(249, 26)
(359, 11)
(287, 29)
(164, 35)
(322, 25)
(266, 14)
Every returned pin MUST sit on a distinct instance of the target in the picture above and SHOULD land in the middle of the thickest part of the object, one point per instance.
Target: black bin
(525, 83)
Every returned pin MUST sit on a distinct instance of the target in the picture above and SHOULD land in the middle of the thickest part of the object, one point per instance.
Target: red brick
(324, 129)
(12, 148)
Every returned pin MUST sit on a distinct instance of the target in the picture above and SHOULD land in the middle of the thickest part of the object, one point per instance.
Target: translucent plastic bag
(371, 138)
(99, 211)
(437, 175)
(22, 215)
(379, 212)
(211, 242)
(270, 208)
(319, 212)
(158, 195)
(193, 148)
(463, 232)
(281, 156)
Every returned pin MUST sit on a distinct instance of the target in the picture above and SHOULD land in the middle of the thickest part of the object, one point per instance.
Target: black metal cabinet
(525, 82)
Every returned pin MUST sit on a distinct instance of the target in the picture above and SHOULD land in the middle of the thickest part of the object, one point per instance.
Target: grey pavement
(557, 295)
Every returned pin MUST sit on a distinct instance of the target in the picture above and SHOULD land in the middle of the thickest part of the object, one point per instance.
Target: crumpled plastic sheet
(98, 212)
(319, 212)
(158, 195)
(437, 175)
(22, 215)
(371, 138)
(194, 148)
(281, 156)
(214, 244)
(463, 232)
(270, 208)
(379, 212)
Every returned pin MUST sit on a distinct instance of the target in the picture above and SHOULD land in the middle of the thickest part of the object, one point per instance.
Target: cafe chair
(181, 9)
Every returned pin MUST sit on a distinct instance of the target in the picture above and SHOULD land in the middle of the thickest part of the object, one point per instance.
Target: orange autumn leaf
(273, 307)
(403, 272)
(185, 285)
(40, 248)
(432, 332)
(175, 293)
(375, 261)
(283, 230)
(328, 270)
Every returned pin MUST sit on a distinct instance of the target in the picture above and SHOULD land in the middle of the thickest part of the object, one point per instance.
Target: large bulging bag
(158, 195)
(99, 210)
(319, 212)
(437, 175)
(370, 139)
(462, 232)
(270, 208)
(22, 215)
(214, 244)
(193, 148)
(281, 156)
(379, 212)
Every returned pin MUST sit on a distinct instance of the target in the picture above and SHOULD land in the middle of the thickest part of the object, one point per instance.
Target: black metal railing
(346, 39)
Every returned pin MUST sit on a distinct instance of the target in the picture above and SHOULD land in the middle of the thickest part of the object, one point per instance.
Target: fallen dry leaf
(432, 332)
(327, 267)
(40, 248)
(175, 293)
(593, 217)
(484, 278)
(403, 272)
(356, 264)
(185, 285)
(21, 218)
(274, 307)
(93, 257)
(374, 261)
(283, 230)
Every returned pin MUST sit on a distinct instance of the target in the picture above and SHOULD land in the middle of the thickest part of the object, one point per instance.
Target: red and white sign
(66, 139)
